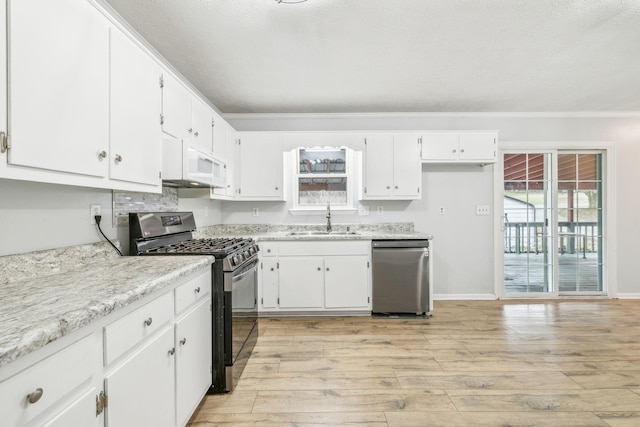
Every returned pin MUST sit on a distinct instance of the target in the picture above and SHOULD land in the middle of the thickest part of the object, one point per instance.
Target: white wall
(463, 256)
(36, 216)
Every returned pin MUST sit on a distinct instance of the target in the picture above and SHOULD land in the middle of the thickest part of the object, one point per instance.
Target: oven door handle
(228, 287)
(240, 276)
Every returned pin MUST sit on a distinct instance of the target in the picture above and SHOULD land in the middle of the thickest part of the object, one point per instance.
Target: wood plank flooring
(473, 363)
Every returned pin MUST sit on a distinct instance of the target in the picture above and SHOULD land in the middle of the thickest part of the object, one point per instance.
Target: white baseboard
(622, 295)
(463, 297)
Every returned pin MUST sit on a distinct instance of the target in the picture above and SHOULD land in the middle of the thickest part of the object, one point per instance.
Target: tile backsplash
(125, 202)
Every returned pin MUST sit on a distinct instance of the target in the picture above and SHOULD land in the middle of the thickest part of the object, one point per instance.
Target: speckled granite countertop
(268, 232)
(37, 307)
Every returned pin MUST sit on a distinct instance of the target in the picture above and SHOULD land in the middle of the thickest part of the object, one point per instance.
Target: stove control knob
(247, 255)
(234, 260)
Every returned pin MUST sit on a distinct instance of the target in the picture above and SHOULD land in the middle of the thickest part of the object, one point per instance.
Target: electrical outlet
(256, 212)
(93, 211)
(363, 210)
(441, 210)
(482, 209)
(380, 210)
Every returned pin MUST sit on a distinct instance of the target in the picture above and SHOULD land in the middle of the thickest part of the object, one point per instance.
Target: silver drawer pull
(34, 396)
(172, 351)
(148, 321)
(197, 290)
(183, 341)
(102, 154)
(118, 158)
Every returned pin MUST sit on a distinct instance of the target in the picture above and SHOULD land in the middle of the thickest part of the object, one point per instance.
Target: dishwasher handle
(404, 243)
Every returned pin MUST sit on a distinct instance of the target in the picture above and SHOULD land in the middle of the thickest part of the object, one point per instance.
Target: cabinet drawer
(192, 291)
(128, 331)
(56, 376)
(268, 248)
(311, 248)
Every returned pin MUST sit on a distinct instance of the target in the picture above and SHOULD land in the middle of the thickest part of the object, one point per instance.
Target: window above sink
(324, 175)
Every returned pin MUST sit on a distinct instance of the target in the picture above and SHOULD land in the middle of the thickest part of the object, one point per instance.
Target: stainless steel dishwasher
(401, 277)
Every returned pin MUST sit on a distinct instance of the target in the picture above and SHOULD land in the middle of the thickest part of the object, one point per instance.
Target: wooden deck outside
(525, 272)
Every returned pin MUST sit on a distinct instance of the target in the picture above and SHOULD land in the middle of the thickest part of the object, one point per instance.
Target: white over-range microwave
(188, 166)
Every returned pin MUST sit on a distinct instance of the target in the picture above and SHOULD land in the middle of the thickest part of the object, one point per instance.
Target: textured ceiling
(335, 56)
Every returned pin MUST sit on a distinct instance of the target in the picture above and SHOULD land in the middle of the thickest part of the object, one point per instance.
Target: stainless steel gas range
(234, 287)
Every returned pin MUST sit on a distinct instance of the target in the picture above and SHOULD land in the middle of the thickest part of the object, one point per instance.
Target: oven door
(241, 315)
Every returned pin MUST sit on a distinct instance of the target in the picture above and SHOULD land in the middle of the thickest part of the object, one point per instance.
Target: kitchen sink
(322, 233)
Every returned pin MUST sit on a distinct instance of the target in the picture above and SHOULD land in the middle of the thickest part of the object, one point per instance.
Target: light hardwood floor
(473, 363)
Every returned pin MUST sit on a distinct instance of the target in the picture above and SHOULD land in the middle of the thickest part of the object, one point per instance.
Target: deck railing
(532, 237)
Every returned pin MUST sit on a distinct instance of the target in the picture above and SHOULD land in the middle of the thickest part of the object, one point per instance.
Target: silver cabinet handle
(271, 268)
(197, 290)
(276, 188)
(172, 351)
(327, 268)
(396, 187)
(196, 134)
(319, 269)
(183, 341)
(35, 395)
(190, 130)
(102, 154)
(118, 158)
(388, 187)
(148, 321)
(462, 151)
(454, 150)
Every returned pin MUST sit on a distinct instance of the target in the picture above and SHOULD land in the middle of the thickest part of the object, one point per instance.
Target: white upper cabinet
(176, 108)
(392, 168)
(261, 166)
(229, 151)
(202, 124)
(460, 147)
(220, 126)
(184, 116)
(135, 113)
(58, 86)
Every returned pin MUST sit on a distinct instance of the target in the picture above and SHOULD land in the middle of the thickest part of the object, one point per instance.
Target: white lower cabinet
(301, 282)
(80, 413)
(193, 359)
(316, 276)
(140, 366)
(53, 385)
(346, 282)
(142, 390)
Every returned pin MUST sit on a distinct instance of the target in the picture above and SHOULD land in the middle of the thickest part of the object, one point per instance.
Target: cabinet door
(346, 282)
(58, 86)
(141, 391)
(479, 146)
(176, 108)
(261, 167)
(193, 359)
(440, 146)
(378, 166)
(81, 412)
(301, 281)
(407, 167)
(136, 151)
(201, 121)
(219, 135)
(269, 267)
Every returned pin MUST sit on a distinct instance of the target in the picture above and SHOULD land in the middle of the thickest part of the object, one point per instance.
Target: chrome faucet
(328, 217)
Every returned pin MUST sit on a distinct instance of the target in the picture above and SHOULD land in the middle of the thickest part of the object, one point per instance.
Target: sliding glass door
(528, 237)
(552, 222)
(579, 216)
